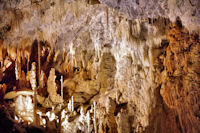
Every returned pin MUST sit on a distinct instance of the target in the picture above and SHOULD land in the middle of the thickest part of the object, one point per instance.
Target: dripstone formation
(100, 66)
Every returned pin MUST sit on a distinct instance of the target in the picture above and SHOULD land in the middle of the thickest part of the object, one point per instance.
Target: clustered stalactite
(35, 94)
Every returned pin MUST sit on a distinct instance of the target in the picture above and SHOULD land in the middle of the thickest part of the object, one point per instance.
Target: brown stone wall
(181, 86)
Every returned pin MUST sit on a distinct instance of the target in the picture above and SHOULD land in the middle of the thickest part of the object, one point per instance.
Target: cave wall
(142, 71)
(180, 89)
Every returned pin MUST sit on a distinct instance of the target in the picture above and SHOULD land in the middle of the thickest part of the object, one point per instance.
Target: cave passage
(99, 66)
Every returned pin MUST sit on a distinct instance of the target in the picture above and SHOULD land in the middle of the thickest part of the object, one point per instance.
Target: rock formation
(103, 66)
(52, 88)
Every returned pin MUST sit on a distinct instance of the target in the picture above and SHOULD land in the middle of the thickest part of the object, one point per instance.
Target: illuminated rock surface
(137, 60)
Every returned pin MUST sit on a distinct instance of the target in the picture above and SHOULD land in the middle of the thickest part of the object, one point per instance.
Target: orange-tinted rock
(181, 87)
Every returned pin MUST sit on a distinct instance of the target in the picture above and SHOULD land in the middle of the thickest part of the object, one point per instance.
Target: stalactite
(57, 53)
(107, 18)
(83, 60)
(116, 96)
(49, 55)
(72, 52)
(12, 52)
(18, 65)
(27, 56)
(23, 59)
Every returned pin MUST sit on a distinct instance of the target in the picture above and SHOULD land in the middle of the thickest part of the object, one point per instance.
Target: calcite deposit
(100, 66)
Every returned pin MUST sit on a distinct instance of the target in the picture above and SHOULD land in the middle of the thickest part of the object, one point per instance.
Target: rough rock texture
(143, 75)
(52, 88)
(187, 10)
(180, 89)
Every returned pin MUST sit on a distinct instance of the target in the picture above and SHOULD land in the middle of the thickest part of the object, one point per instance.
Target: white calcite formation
(52, 88)
(82, 123)
(24, 107)
(61, 80)
(32, 76)
(16, 71)
(70, 105)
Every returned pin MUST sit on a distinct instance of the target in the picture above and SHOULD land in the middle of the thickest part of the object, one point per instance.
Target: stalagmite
(70, 105)
(91, 110)
(16, 71)
(72, 109)
(42, 79)
(1, 56)
(88, 121)
(94, 117)
(39, 69)
(63, 114)
(33, 76)
(52, 88)
(61, 80)
(33, 86)
(18, 65)
(51, 115)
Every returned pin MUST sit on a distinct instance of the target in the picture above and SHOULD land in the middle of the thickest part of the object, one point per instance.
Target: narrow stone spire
(61, 80)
